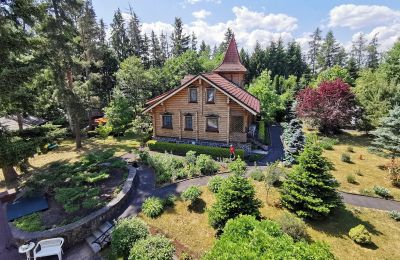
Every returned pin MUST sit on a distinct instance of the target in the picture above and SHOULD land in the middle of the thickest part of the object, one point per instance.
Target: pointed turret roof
(231, 62)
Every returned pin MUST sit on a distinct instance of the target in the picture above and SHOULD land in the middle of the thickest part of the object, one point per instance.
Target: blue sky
(264, 20)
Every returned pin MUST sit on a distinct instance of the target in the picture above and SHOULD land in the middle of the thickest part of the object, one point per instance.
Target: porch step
(262, 146)
(259, 152)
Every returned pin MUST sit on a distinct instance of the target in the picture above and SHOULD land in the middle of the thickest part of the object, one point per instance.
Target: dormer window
(210, 99)
(192, 95)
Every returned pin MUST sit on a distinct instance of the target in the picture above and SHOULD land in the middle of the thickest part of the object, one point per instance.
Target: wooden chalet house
(210, 108)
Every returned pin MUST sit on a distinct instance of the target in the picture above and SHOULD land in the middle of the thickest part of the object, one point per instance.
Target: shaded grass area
(368, 169)
(191, 228)
(67, 153)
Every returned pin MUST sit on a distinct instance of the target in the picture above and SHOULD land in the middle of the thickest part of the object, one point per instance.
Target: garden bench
(49, 247)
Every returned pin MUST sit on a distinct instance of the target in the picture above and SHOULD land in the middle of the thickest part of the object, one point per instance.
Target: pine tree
(387, 135)
(203, 47)
(134, 35)
(372, 59)
(164, 46)
(352, 68)
(102, 33)
(119, 38)
(180, 41)
(193, 42)
(145, 55)
(329, 50)
(295, 65)
(245, 59)
(156, 57)
(358, 50)
(310, 189)
(314, 49)
(257, 63)
(227, 37)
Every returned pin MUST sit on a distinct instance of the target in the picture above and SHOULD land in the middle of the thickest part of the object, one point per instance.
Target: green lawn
(67, 153)
(369, 165)
(191, 228)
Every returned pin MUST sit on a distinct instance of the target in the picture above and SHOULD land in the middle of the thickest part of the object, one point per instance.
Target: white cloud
(359, 16)
(201, 14)
(192, 2)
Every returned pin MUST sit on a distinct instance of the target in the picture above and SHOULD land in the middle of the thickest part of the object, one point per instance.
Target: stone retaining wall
(81, 229)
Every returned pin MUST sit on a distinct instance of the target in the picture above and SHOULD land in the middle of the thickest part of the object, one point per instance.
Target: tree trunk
(20, 123)
(78, 138)
(9, 173)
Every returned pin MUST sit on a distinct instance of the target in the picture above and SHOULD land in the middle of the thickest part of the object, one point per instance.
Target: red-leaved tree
(330, 106)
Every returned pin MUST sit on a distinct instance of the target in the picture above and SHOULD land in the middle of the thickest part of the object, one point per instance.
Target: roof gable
(239, 95)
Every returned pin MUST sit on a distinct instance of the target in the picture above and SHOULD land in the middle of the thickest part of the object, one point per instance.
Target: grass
(30, 223)
(370, 166)
(67, 153)
(191, 228)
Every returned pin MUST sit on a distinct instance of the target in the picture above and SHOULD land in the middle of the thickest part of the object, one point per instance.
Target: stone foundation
(245, 146)
(78, 231)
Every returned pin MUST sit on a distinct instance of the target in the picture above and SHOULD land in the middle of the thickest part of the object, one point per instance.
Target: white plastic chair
(48, 247)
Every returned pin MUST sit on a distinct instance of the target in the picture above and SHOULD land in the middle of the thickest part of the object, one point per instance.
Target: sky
(265, 20)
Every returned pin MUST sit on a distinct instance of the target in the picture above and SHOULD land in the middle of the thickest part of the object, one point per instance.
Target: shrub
(182, 149)
(366, 192)
(393, 167)
(191, 194)
(350, 149)
(126, 233)
(96, 177)
(30, 223)
(206, 164)
(190, 158)
(360, 235)
(238, 166)
(104, 130)
(144, 156)
(153, 247)
(308, 180)
(167, 167)
(345, 157)
(327, 143)
(169, 201)
(395, 215)
(257, 175)
(246, 238)
(351, 178)
(293, 226)
(381, 191)
(71, 198)
(98, 156)
(263, 133)
(215, 183)
(152, 207)
(235, 197)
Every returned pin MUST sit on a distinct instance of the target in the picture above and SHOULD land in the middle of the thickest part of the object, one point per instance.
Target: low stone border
(81, 229)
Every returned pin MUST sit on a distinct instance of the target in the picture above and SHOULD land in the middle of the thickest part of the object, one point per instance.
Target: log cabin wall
(179, 106)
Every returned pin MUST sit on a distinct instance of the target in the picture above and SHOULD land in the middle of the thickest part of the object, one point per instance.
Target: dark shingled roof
(231, 62)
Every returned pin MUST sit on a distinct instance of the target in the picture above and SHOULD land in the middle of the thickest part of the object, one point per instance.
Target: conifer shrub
(294, 140)
(351, 178)
(309, 190)
(235, 197)
(360, 235)
(293, 226)
(395, 215)
(381, 191)
(345, 157)
(238, 166)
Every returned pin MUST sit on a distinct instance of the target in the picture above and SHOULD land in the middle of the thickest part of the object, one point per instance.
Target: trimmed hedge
(182, 149)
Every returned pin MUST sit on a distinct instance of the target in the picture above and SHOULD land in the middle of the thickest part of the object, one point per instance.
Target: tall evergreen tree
(310, 189)
(193, 42)
(245, 59)
(227, 37)
(358, 50)
(145, 54)
(295, 65)
(387, 135)
(134, 36)
(203, 46)
(156, 57)
(372, 59)
(164, 46)
(277, 59)
(329, 50)
(119, 38)
(314, 49)
(257, 63)
(180, 41)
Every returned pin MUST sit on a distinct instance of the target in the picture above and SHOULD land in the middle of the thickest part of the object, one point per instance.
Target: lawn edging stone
(78, 231)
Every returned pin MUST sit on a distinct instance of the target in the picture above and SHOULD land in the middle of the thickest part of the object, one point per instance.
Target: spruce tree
(180, 41)
(227, 37)
(235, 197)
(372, 59)
(310, 189)
(387, 135)
(134, 36)
(358, 50)
(193, 42)
(314, 49)
(329, 50)
(156, 57)
(145, 55)
(164, 47)
(203, 47)
(119, 38)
